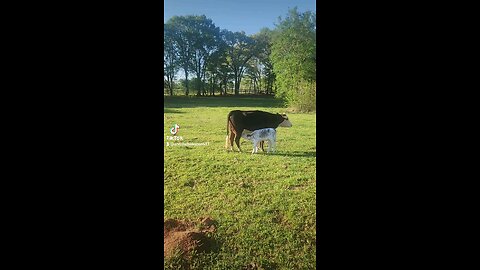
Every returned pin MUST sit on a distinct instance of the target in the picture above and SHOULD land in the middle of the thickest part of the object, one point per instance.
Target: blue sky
(237, 15)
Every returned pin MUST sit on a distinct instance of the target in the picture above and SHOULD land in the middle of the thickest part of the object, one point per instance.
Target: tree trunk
(197, 84)
(225, 86)
(237, 85)
(186, 83)
(170, 84)
(260, 83)
(236, 89)
(214, 83)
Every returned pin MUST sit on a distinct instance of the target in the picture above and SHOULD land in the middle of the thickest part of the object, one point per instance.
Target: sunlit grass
(264, 204)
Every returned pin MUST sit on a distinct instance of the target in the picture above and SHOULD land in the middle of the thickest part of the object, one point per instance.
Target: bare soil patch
(187, 236)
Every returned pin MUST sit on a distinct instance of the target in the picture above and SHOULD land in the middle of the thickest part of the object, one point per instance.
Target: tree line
(281, 61)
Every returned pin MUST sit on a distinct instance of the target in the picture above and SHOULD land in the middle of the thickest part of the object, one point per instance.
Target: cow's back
(253, 120)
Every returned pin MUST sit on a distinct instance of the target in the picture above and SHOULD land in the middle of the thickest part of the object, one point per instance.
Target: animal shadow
(312, 154)
(169, 110)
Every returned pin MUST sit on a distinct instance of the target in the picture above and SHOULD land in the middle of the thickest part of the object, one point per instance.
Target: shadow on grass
(224, 101)
(295, 154)
(311, 154)
(168, 110)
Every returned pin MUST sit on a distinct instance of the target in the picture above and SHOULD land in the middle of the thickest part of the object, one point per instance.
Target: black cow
(238, 121)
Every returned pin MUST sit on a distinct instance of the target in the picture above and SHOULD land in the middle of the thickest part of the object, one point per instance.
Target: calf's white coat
(264, 134)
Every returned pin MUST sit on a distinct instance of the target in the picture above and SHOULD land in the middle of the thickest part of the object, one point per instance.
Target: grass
(264, 205)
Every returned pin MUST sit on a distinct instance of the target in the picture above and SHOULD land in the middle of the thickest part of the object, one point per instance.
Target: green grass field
(264, 204)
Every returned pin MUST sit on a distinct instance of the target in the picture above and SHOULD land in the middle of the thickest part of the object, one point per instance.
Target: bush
(294, 60)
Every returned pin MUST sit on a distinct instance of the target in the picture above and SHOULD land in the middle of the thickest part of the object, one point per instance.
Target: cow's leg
(230, 140)
(261, 145)
(232, 136)
(238, 135)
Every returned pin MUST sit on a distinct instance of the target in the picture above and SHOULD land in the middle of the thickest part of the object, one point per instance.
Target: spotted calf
(259, 135)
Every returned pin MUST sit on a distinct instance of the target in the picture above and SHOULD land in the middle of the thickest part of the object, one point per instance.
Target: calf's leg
(255, 146)
(271, 145)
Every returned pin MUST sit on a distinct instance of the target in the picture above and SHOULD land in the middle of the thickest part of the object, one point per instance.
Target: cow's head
(285, 122)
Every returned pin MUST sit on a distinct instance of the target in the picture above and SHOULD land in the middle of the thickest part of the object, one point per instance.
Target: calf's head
(285, 122)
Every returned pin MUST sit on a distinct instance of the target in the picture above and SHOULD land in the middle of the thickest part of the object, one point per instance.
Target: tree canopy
(280, 61)
(170, 57)
(294, 59)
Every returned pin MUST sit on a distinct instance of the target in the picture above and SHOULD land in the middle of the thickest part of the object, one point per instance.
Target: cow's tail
(226, 139)
(228, 121)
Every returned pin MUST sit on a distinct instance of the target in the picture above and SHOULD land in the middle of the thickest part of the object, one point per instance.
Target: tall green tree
(170, 57)
(215, 69)
(294, 59)
(225, 75)
(260, 66)
(206, 42)
(254, 72)
(264, 39)
(183, 39)
(240, 48)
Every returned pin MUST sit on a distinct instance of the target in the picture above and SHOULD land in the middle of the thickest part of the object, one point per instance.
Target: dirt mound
(185, 236)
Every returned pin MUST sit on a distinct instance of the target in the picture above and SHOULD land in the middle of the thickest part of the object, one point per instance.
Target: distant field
(263, 204)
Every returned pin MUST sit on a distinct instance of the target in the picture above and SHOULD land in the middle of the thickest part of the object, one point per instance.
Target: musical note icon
(174, 130)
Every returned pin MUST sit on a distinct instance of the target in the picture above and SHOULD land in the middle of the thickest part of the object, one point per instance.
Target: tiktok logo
(174, 130)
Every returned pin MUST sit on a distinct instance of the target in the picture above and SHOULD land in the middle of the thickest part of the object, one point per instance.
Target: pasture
(263, 205)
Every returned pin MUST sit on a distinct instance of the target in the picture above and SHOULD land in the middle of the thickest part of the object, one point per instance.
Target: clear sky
(237, 15)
